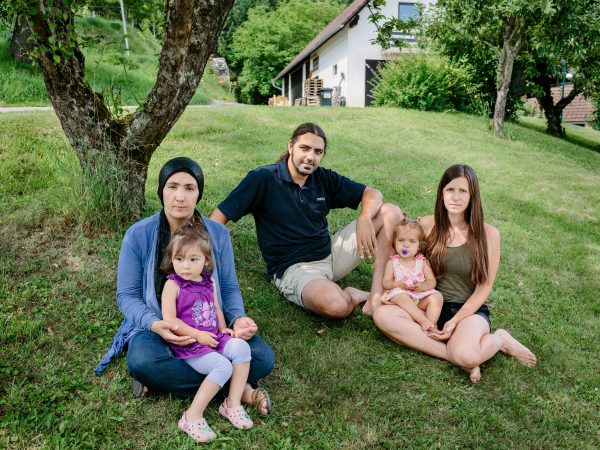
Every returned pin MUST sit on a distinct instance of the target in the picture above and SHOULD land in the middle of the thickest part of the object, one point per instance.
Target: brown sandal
(257, 400)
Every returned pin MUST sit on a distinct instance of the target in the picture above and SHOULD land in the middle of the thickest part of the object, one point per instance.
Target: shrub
(427, 83)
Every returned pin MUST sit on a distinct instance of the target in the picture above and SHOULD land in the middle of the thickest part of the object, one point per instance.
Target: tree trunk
(192, 27)
(20, 45)
(506, 60)
(552, 111)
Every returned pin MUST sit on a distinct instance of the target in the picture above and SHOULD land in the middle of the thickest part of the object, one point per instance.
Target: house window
(408, 11)
(315, 63)
(335, 69)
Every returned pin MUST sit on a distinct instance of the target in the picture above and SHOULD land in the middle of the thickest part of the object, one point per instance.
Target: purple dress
(196, 307)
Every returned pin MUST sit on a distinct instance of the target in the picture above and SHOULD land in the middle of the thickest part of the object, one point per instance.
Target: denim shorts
(450, 309)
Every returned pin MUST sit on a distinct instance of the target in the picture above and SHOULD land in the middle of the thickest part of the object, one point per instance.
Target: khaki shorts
(343, 259)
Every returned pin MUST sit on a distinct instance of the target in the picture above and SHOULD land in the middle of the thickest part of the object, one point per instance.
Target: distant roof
(579, 111)
(334, 26)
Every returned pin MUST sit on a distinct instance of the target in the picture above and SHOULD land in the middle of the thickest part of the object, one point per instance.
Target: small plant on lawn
(105, 201)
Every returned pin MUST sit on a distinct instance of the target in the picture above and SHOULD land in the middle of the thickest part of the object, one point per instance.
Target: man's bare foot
(357, 295)
(514, 348)
(259, 398)
(474, 373)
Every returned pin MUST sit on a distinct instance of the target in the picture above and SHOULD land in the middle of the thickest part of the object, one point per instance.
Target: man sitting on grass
(290, 201)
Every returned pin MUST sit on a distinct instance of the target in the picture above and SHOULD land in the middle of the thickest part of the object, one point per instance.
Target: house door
(372, 66)
(296, 84)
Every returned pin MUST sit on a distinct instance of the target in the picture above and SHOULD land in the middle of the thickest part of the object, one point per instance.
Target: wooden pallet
(312, 87)
(313, 100)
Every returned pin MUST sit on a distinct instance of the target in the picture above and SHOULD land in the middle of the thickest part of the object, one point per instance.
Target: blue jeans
(151, 362)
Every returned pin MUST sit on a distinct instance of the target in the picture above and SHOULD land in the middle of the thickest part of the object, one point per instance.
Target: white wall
(361, 49)
(349, 49)
(334, 52)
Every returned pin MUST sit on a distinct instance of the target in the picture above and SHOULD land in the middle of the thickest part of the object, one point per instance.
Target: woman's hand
(207, 338)
(164, 329)
(228, 331)
(445, 334)
(244, 328)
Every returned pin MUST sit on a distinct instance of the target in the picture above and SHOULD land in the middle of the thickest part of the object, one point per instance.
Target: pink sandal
(198, 430)
(237, 416)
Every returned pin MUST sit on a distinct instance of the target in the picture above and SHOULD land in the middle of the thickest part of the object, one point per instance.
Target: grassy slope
(22, 85)
(336, 384)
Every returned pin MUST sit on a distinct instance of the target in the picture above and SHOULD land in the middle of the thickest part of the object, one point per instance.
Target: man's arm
(218, 216)
(366, 236)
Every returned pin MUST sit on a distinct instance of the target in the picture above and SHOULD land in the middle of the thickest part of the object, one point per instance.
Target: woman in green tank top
(464, 253)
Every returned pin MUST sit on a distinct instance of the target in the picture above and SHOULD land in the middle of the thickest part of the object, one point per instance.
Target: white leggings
(218, 367)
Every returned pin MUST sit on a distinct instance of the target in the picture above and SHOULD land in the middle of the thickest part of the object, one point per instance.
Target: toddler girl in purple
(189, 300)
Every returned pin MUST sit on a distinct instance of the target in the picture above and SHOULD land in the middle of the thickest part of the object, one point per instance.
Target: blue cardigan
(136, 294)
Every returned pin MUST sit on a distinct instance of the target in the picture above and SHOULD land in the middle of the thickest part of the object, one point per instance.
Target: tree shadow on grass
(570, 136)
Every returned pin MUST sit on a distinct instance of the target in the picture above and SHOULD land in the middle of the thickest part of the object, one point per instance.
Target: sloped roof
(334, 26)
(579, 111)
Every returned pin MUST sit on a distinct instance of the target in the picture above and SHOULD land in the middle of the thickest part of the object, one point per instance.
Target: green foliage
(427, 83)
(596, 120)
(471, 33)
(567, 35)
(145, 15)
(108, 69)
(336, 384)
(269, 40)
(236, 17)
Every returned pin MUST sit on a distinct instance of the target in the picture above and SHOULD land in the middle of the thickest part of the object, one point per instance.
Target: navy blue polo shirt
(291, 221)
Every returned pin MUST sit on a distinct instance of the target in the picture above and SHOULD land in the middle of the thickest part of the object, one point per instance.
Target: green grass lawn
(336, 384)
(107, 67)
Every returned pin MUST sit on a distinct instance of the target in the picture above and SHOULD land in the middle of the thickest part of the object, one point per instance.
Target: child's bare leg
(237, 383)
(205, 394)
(432, 304)
(406, 303)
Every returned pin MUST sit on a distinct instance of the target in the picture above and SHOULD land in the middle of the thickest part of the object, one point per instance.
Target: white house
(342, 54)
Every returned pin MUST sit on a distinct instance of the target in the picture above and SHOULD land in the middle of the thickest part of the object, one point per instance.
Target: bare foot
(357, 295)
(259, 398)
(372, 303)
(514, 348)
(474, 373)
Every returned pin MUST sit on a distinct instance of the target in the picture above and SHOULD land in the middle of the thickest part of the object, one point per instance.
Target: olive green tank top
(456, 285)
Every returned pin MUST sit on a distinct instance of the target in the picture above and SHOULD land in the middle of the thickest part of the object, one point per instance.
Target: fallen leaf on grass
(321, 331)
(50, 332)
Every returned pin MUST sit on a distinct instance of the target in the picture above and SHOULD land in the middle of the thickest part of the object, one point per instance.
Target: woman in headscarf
(150, 360)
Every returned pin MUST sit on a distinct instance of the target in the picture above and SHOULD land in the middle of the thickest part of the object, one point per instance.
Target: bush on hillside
(427, 83)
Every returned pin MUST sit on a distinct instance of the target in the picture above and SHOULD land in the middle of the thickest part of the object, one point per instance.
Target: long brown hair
(303, 129)
(476, 239)
(189, 234)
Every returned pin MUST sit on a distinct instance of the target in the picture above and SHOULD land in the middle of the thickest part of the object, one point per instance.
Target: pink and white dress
(409, 276)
